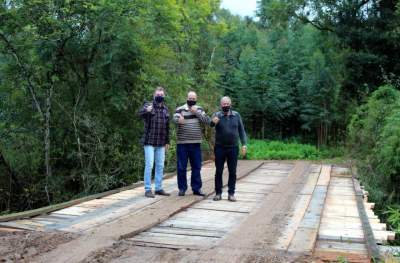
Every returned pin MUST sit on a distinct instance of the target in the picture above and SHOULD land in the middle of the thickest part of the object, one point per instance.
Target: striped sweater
(190, 131)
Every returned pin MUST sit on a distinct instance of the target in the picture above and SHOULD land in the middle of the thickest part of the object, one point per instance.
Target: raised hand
(193, 109)
(149, 108)
(215, 120)
(181, 119)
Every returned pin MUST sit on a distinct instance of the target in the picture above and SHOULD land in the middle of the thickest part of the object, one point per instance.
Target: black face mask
(226, 108)
(159, 99)
(191, 103)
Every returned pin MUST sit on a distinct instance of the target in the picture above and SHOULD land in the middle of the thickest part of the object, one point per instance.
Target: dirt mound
(20, 246)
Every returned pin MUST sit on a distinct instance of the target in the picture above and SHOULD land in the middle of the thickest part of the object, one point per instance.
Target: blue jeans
(153, 154)
(191, 151)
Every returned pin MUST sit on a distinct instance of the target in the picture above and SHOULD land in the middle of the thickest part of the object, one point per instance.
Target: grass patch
(279, 150)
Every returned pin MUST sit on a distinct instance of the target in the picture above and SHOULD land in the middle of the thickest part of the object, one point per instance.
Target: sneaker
(162, 192)
(232, 198)
(217, 197)
(199, 193)
(149, 194)
(181, 193)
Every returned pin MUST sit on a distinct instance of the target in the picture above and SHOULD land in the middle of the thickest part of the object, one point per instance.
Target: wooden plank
(381, 237)
(347, 218)
(76, 211)
(345, 247)
(244, 196)
(106, 215)
(350, 225)
(158, 245)
(304, 240)
(299, 208)
(13, 224)
(201, 224)
(187, 231)
(171, 239)
(10, 230)
(99, 202)
(54, 217)
(263, 180)
(325, 175)
(207, 215)
(308, 188)
(239, 206)
(341, 170)
(338, 235)
(254, 187)
(369, 205)
(44, 222)
(353, 235)
(177, 223)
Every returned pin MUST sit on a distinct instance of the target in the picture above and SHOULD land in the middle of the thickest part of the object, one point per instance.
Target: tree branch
(25, 73)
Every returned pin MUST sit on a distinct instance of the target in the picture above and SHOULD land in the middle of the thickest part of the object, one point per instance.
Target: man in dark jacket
(155, 140)
(228, 130)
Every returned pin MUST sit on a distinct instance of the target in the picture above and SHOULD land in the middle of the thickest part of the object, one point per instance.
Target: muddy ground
(22, 246)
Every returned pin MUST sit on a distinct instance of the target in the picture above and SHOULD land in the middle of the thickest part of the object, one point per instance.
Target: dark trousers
(191, 151)
(230, 154)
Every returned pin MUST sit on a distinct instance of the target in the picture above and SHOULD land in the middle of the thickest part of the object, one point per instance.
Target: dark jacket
(229, 129)
(156, 125)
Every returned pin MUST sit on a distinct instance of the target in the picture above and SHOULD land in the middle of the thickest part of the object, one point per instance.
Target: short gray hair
(159, 88)
(191, 91)
(226, 98)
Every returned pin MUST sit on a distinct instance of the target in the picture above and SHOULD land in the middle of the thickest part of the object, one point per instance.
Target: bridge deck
(322, 218)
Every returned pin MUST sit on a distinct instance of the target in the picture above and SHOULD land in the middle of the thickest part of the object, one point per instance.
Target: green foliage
(342, 259)
(374, 140)
(393, 218)
(74, 73)
(278, 150)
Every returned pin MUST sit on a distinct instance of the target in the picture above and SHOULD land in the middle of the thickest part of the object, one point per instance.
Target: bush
(277, 150)
(386, 158)
(366, 125)
(374, 143)
(393, 218)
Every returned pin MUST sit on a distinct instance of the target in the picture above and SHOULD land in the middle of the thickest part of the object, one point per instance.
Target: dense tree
(74, 73)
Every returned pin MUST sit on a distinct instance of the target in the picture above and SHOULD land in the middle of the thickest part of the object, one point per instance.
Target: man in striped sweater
(189, 119)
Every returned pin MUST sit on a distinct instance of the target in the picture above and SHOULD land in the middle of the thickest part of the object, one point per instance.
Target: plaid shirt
(156, 125)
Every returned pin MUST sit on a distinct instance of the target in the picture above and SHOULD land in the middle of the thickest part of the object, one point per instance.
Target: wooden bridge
(294, 209)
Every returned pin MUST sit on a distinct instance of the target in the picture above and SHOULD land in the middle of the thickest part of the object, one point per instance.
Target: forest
(73, 74)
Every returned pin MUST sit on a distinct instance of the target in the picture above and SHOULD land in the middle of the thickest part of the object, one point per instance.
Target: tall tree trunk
(47, 140)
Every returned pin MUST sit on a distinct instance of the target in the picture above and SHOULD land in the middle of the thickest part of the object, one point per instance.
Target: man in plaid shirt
(155, 140)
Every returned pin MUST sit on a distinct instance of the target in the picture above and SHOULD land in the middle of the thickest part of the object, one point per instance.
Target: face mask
(159, 99)
(191, 103)
(226, 108)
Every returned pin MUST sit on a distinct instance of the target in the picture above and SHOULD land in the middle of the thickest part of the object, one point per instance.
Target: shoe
(217, 197)
(199, 193)
(162, 192)
(232, 198)
(181, 193)
(149, 194)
